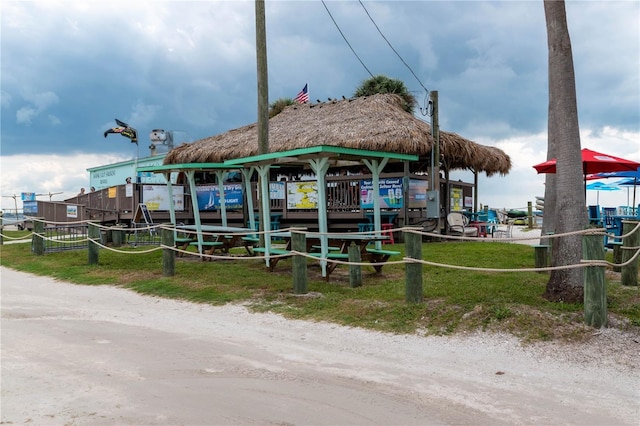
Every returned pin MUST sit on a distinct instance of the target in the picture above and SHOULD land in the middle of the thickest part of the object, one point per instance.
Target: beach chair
(459, 225)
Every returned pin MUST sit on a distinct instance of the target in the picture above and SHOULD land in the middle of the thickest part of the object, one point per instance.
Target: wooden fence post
(116, 236)
(355, 271)
(93, 234)
(541, 253)
(37, 241)
(595, 289)
(168, 255)
(629, 275)
(299, 262)
(413, 270)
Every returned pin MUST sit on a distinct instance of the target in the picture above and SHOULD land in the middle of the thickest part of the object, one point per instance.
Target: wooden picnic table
(337, 249)
(223, 237)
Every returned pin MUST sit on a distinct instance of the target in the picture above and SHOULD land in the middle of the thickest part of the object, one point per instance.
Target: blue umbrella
(629, 182)
(599, 186)
(634, 176)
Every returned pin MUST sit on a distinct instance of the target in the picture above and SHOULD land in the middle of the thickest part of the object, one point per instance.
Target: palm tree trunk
(569, 213)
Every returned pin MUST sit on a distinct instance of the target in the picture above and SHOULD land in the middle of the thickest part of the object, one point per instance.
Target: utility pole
(15, 201)
(263, 84)
(435, 132)
(263, 105)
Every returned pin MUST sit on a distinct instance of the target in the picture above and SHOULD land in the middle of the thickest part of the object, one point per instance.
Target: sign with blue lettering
(209, 197)
(389, 191)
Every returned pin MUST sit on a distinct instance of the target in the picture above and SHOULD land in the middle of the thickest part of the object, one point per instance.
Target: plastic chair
(594, 215)
(504, 230)
(459, 225)
(386, 230)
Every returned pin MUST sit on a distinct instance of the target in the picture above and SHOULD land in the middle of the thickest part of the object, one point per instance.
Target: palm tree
(564, 194)
(384, 84)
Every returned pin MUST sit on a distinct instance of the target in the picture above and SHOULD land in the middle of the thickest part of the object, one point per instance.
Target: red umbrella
(593, 162)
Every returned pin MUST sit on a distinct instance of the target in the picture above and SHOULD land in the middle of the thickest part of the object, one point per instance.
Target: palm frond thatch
(377, 123)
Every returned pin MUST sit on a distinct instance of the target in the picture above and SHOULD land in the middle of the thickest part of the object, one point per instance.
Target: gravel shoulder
(102, 355)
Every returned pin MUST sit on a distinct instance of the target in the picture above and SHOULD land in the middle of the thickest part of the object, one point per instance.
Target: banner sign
(456, 200)
(28, 196)
(302, 195)
(156, 197)
(72, 212)
(30, 207)
(209, 197)
(418, 194)
(389, 191)
(276, 190)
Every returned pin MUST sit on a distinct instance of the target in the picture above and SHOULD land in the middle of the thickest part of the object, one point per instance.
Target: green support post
(355, 271)
(413, 270)
(168, 255)
(299, 262)
(37, 241)
(94, 234)
(629, 274)
(595, 288)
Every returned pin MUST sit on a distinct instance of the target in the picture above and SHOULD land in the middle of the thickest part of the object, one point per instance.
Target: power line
(345, 39)
(394, 50)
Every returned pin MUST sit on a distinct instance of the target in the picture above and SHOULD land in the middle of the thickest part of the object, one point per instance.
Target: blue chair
(594, 215)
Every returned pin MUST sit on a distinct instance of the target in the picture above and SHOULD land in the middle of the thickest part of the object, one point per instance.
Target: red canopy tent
(593, 162)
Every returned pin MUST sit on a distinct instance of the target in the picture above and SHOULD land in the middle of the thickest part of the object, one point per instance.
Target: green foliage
(276, 107)
(384, 84)
(455, 300)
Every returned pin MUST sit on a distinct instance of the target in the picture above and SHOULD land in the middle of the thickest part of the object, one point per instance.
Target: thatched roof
(376, 123)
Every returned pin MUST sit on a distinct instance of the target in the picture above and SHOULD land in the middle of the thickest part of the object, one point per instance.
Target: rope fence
(269, 234)
(593, 258)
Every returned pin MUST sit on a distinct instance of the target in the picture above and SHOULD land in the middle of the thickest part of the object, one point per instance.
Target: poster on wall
(209, 197)
(389, 191)
(30, 207)
(456, 199)
(276, 190)
(418, 194)
(72, 212)
(156, 197)
(302, 195)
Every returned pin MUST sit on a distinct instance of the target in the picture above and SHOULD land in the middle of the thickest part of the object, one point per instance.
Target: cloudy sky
(68, 68)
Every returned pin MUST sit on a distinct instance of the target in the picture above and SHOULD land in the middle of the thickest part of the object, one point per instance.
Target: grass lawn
(454, 300)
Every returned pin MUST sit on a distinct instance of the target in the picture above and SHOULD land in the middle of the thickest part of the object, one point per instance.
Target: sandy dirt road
(83, 355)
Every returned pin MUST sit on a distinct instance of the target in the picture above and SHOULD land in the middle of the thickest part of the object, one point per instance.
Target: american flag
(303, 96)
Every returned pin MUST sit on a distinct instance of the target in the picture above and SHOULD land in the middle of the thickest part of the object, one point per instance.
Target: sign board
(156, 197)
(302, 195)
(390, 193)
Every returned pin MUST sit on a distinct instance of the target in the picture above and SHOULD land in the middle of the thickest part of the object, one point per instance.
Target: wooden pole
(94, 234)
(263, 102)
(168, 255)
(435, 132)
(37, 240)
(595, 289)
(413, 271)
(355, 271)
(629, 275)
(299, 262)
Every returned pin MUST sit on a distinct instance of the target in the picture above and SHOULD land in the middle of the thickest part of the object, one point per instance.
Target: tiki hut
(376, 123)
